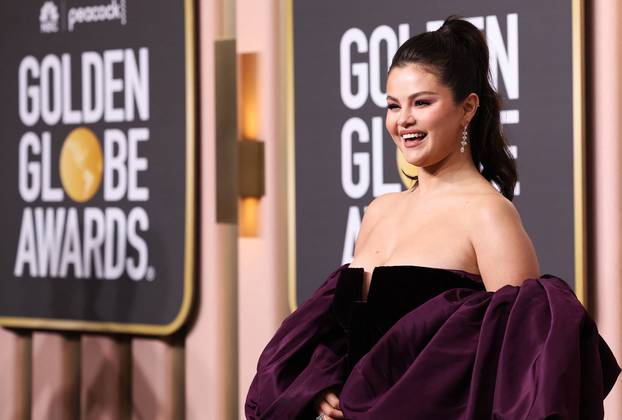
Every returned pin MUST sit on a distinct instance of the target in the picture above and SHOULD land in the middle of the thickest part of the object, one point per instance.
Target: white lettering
(29, 174)
(384, 34)
(71, 246)
(48, 193)
(505, 59)
(26, 247)
(28, 95)
(137, 268)
(107, 91)
(380, 187)
(115, 229)
(114, 164)
(347, 70)
(112, 57)
(92, 87)
(49, 228)
(349, 159)
(93, 241)
(352, 228)
(70, 116)
(51, 95)
(136, 164)
(137, 84)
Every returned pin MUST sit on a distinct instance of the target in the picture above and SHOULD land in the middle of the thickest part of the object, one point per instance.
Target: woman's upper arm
(505, 253)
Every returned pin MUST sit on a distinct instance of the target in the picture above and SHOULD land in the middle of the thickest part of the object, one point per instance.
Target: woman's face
(419, 105)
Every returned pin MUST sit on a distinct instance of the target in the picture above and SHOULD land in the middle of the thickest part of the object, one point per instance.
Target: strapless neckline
(394, 291)
(378, 268)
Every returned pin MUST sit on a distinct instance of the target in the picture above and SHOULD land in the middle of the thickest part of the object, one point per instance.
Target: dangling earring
(464, 139)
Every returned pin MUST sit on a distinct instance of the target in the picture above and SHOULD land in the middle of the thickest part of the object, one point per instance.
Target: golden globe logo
(81, 164)
(56, 236)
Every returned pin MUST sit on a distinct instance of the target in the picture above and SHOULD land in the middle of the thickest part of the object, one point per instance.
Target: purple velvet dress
(432, 343)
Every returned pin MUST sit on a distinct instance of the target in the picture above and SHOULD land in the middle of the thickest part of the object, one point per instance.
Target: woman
(459, 323)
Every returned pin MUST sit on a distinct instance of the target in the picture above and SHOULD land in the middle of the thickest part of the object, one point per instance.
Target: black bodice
(394, 291)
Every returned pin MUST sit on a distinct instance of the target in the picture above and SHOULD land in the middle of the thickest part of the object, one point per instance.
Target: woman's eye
(420, 102)
(392, 106)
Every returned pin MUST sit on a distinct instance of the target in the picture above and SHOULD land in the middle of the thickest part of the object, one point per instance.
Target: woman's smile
(413, 138)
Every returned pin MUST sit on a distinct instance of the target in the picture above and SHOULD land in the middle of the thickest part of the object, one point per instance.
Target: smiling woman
(441, 84)
(424, 114)
(458, 322)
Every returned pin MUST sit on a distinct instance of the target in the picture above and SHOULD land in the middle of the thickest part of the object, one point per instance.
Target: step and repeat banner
(344, 157)
(97, 165)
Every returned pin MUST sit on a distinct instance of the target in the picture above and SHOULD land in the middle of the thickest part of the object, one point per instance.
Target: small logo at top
(115, 10)
(48, 17)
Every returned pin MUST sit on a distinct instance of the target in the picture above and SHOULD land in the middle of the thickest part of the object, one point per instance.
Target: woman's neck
(446, 175)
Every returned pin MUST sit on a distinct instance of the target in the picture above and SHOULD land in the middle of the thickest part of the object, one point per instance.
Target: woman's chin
(413, 160)
(412, 155)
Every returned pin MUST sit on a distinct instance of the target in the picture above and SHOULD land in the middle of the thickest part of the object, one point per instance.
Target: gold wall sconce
(251, 155)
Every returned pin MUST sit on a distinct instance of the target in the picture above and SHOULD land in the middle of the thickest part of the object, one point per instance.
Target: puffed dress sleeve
(305, 356)
(521, 352)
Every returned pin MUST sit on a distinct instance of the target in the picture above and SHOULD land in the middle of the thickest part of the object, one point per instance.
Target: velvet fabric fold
(432, 343)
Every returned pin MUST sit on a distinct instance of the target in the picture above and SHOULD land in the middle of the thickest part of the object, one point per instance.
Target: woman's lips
(410, 143)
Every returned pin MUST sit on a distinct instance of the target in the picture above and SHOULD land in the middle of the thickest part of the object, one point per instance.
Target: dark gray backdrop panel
(160, 27)
(543, 136)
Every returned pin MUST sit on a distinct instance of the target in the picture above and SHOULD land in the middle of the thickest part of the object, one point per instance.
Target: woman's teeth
(414, 136)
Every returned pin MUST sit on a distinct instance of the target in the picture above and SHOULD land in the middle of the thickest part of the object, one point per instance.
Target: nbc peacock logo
(48, 17)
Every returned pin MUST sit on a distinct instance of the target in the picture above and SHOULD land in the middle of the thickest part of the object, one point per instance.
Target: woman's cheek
(391, 127)
(389, 123)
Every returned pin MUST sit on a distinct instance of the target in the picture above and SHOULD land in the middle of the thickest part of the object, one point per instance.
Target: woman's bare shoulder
(493, 204)
(505, 253)
(385, 201)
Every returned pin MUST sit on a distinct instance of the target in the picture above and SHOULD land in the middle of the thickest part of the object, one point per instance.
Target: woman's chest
(436, 237)
(429, 237)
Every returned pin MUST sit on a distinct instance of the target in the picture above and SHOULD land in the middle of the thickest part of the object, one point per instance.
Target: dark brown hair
(458, 54)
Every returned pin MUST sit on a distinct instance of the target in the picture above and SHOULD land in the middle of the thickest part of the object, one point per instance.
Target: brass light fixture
(251, 156)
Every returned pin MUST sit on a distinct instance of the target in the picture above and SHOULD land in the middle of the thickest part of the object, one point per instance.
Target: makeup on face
(420, 110)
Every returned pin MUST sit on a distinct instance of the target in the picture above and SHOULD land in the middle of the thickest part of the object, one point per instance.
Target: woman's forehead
(413, 77)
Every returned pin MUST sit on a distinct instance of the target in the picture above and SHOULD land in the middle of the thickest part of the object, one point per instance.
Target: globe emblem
(81, 164)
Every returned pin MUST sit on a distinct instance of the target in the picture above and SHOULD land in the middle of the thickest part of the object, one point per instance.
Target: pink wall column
(55, 376)
(105, 390)
(157, 379)
(606, 62)
(211, 344)
(15, 378)
(262, 260)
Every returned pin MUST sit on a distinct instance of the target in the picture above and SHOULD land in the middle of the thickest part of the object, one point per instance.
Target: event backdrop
(344, 157)
(97, 165)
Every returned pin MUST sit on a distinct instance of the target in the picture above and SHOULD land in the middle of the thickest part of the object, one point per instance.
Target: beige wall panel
(157, 379)
(15, 378)
(55, 376)
(105, 392)
(211, 345)
(606, 89)
(262, 260)
(211, 352)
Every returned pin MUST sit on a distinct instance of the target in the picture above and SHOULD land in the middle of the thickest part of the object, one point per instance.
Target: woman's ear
(469, 106)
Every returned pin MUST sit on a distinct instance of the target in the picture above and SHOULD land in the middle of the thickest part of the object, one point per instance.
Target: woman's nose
(406, 118)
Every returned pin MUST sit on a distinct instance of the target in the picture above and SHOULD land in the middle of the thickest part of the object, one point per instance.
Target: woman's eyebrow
(414, 95)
